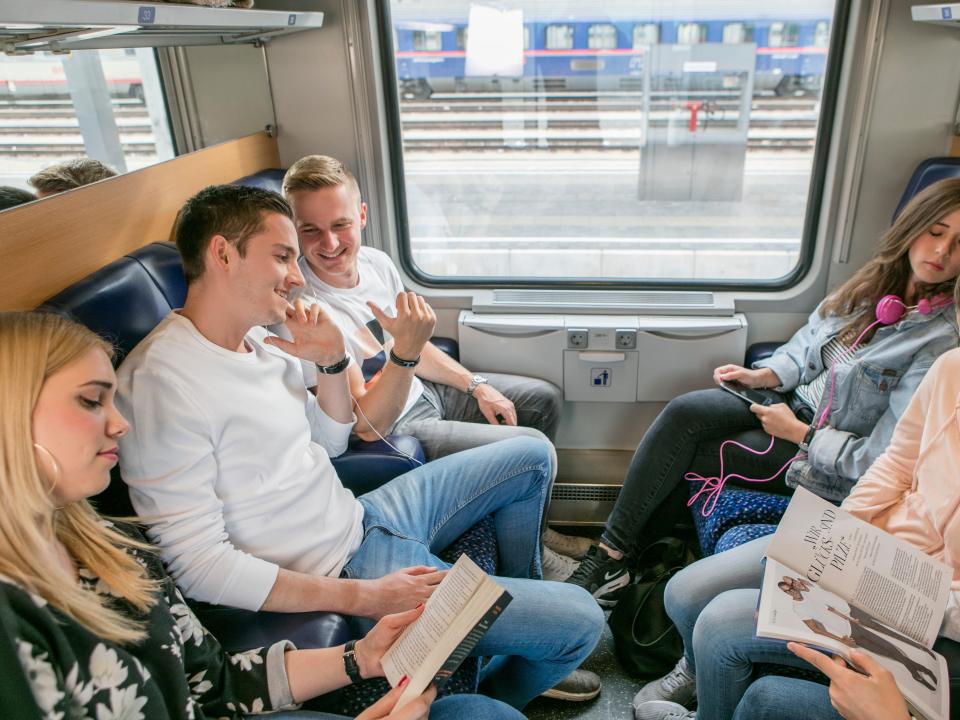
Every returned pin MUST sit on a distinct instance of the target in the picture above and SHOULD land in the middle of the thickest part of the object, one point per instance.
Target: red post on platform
(694, 106)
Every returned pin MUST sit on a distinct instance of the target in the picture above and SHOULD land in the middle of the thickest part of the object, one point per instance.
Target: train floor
(613, 703)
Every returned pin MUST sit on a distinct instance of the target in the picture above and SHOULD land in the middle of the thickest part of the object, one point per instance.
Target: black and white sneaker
(602, 576)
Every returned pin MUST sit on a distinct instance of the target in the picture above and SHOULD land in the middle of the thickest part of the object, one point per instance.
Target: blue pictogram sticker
(947, 13)
(291, 19)
(600, 377)
(147, 15)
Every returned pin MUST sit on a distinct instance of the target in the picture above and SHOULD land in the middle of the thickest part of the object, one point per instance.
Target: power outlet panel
(577, 338)
(625, 339)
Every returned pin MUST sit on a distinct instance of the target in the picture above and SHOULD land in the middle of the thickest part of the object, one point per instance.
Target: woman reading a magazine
(834, 406)
(90, 624)
(911, 492)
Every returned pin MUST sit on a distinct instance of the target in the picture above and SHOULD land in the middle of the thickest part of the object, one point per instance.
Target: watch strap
(336, 368)
(350, 662)
(808, 438)
(475, 381)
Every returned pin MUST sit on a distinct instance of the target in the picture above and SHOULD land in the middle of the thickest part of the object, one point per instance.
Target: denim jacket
(870, 393)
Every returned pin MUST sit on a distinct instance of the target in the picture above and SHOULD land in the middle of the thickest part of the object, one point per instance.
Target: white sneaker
(662, 710)
(569, 545)
(556, 567)
(677, 686)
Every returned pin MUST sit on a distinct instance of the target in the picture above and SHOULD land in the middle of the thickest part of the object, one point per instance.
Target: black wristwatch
(335, 369)
(808, 438)
(350, 662)
(403, 363)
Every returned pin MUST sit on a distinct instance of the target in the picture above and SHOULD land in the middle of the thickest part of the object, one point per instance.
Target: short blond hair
(315, 172)
(70, 174)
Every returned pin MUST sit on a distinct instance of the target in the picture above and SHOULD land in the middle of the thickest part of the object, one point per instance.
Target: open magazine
(459, 612)
(836, 582)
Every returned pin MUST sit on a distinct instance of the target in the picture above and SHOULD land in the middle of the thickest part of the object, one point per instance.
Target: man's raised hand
(412, 327)
(316, 338)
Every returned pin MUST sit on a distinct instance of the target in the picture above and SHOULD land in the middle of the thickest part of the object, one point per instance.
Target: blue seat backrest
(161, 260)
(928, 172)
(265, 179)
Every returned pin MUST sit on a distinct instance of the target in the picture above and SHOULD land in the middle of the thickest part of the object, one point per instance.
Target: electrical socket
(577, 339)
(625, 340)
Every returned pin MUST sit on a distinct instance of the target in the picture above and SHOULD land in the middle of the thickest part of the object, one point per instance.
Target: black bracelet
(350, 662)
(404, 363)
(336, 368)
(808, 438)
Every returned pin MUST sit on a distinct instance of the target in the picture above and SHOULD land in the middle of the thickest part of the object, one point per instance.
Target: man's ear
(363, 215)
(219, 252)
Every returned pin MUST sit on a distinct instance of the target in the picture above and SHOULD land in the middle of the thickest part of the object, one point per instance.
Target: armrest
(365, 466)
(239, 630)
(760, 351)
(448, 345)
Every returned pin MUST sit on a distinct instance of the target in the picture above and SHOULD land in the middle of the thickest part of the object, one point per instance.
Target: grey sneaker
(556, 567)
(677, 686)
(578, 686)
(569, 545)
(662, 710)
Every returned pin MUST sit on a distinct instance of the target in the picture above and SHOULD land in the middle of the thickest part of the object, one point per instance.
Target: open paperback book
(460, 611)
(836, 582)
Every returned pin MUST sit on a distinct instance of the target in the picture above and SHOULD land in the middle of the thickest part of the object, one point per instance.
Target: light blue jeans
(453, 707)
(549, 628)
(713, 603)
(781, 698)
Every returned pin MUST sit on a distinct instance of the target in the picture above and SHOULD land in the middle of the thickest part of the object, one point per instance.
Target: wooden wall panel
(955, 146)
(48, 245)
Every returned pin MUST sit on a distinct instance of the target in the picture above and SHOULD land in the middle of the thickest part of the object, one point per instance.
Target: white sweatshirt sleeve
(168, 461)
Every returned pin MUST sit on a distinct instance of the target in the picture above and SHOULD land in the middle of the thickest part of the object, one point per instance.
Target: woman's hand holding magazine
(857, 696)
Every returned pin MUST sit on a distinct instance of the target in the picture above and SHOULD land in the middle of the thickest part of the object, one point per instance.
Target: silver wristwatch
(474, 381)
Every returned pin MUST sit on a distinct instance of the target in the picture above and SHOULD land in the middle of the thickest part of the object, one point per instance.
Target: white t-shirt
(227, 459)
(367, 343)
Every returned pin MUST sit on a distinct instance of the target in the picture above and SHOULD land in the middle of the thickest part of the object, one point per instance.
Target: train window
(526, 38)
(462, 38)
(602, 37)
(104, 104)
(691, 33)
(782, 34)
(645, 34)
(821, 34)
(427, 40)
(679, 164)
(736, 33)
(559, 37)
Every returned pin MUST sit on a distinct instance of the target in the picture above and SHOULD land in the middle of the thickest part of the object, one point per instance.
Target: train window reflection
(686, 156)
(428, 40)
(104, 104)
(602, 37)
(783, 34)
(646, 34)
(821, 35)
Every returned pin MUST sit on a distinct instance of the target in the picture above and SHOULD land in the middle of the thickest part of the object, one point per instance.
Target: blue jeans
(453, 707)
(780, 698)
(549, 628)
(712, 602)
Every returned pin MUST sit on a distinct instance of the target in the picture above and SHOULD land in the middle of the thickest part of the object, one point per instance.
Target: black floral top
(53, 668)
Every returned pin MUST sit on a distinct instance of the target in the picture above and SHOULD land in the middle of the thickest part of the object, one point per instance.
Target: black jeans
(685, 437)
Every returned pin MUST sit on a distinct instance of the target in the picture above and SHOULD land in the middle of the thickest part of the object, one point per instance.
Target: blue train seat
(742, 514)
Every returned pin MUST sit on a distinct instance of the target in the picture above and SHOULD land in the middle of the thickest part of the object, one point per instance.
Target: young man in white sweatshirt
(228, 453)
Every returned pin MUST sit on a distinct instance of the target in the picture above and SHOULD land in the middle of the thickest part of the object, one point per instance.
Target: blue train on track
(567, 47)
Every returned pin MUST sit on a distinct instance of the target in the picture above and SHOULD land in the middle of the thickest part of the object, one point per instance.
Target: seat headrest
(265, 179)
(162, 262)
(928, 172)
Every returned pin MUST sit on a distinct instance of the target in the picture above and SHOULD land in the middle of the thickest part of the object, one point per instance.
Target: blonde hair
(315, 172)
(34, 346)
(888, 272)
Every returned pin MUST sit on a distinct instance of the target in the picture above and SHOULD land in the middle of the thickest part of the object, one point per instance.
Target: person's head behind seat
(315, 172)
(68, 175)
(12, 196)
(235, 212)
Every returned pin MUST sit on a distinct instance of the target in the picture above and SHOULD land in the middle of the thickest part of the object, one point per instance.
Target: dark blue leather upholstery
(929, 171)
(242, 629)
(368, 465)
(448, 345)
(760, 351)
(265, 179)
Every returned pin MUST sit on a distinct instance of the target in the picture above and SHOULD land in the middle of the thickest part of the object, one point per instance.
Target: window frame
(607, 26)
(815, 196)
(546, 35)
(637, 26)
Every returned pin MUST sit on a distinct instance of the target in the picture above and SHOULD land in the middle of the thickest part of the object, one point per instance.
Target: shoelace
(675, 679)
(590, 563)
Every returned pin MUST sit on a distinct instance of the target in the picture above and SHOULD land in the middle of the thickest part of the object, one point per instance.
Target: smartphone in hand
(754, 397)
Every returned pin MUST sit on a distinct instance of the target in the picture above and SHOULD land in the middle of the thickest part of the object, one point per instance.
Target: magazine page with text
(869, 568)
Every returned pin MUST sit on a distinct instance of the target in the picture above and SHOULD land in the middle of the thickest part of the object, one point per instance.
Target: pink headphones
(891, 308)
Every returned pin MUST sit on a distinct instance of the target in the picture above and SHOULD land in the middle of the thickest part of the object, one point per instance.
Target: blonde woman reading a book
(90, 624)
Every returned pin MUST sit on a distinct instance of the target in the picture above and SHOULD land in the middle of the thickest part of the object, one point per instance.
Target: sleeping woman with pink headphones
(833, 394)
